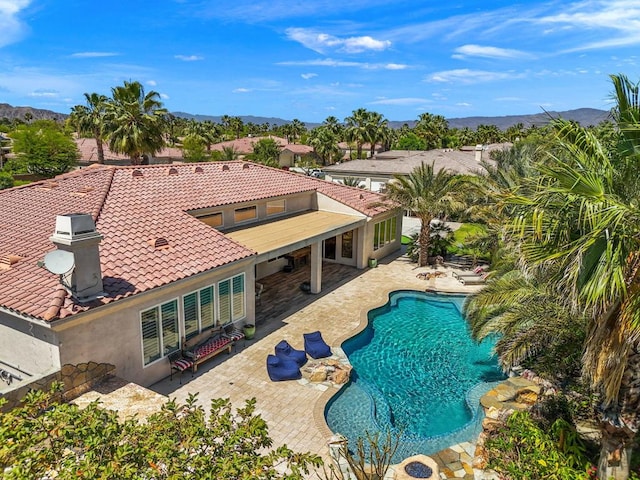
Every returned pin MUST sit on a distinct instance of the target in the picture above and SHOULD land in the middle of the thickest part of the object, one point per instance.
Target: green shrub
(524, 450)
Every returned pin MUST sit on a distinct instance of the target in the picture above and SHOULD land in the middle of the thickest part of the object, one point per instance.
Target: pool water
(416, 372)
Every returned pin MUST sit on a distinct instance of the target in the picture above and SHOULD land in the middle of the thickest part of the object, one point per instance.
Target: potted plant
(249, 330)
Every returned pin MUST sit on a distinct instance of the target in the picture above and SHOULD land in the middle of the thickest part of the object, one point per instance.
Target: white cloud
(44, 93)
(307, 76)
(395, 66)
(152, 83)
(189, 58)
(471, 50)
(164, 96)
(12, 29)
(323, 42)
(93, 54)
(329, 62)
(400, 101)
(241, 90)
(466, 76)
(463, 104)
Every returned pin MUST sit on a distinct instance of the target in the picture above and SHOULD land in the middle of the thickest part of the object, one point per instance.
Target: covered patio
(282, 294)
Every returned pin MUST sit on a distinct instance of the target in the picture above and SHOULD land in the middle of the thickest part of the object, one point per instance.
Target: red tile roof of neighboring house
(149, 238)
(244, 146)
(89, 151)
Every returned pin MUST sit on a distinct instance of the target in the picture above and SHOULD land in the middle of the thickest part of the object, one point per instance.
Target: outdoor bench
(207, 345)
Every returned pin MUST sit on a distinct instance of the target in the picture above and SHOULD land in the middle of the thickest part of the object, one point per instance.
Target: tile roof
(244, 146)
(402, 162)
(89, 151)
(149, 238)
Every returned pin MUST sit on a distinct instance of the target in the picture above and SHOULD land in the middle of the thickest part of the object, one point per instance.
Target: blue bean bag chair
(282, 369)
(284, 350)
(315, 346)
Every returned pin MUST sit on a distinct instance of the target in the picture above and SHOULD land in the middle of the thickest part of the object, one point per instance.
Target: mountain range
(584, 116)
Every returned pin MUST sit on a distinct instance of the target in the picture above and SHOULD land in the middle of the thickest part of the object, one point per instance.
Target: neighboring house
(290, 154)
(89, 154)
(375, 172)
(162, 252)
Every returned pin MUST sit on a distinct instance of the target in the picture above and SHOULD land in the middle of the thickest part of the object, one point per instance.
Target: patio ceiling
(279, 237)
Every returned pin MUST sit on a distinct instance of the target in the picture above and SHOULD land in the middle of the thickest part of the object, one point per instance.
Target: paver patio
(294, 412)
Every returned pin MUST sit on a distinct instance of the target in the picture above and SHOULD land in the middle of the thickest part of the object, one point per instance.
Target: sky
(311, 59)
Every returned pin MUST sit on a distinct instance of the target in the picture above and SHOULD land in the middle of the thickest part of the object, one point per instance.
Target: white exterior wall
(29, 347)
(112, 334)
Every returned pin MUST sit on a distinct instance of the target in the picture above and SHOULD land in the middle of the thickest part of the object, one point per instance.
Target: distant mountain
(245, 119)
(585, 116)
(7, 111)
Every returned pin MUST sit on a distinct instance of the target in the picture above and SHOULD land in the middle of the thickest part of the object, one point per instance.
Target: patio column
(316, 267)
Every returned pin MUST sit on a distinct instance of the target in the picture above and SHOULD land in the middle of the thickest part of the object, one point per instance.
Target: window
(160, 333)
(245, 213)
(231, 299)
(347, 244)
(213, 219)
(384, 232)
(275, 206)
(198, 311)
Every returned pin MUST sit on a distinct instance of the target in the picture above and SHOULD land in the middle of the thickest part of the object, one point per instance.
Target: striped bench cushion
(212, 346)
(182, 364)
(235, 335)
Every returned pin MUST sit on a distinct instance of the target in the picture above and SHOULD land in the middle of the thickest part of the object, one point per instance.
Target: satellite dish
(58, 261)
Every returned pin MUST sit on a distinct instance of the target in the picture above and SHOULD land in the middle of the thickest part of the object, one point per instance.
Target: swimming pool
(416, 371)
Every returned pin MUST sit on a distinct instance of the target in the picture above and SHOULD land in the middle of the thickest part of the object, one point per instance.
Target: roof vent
(160, 243)
(198, 170)
(48, 185)
(361, 197)
(225, 168)
(245, 166)
(81, 192)
(137, 173)
(172, 171)
(6, 261)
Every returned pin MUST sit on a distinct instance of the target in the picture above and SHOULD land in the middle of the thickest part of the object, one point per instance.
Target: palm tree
(433, 128)
(377, 131)
(297, 128)
(428, 195)
(89, 118)
(585, 224)
(325, 144)
(357, 128)
(134, 121)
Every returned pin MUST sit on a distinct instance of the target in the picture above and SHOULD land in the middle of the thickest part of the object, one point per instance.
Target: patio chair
(284, 350)
(280, 369)
(315, 346)
(179, 363)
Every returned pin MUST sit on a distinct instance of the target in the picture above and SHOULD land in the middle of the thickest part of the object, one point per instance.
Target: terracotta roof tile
(133, 214)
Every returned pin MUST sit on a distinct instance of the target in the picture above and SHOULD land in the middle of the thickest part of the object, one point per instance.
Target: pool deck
(293, 411)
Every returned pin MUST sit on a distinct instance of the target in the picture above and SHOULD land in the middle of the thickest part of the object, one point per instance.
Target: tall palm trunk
(424, 238)
(620, 424)
(99, 146)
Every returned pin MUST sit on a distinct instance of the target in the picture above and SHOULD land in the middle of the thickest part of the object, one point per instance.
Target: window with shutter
(224, 301)
(206, 308)
(150, 335)
(238, 297)
(170, 332)
(190, 307)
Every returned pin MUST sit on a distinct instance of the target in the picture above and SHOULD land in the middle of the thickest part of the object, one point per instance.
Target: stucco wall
(382, 252)
(26, 346)
(111, 334)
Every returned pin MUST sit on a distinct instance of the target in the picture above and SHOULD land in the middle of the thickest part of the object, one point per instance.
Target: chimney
(76, 233)
(478, 153)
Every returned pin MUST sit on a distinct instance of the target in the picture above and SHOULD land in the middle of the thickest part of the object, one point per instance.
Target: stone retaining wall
(76, 380)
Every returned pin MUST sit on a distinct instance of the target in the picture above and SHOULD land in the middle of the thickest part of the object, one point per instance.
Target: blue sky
(309, 59)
